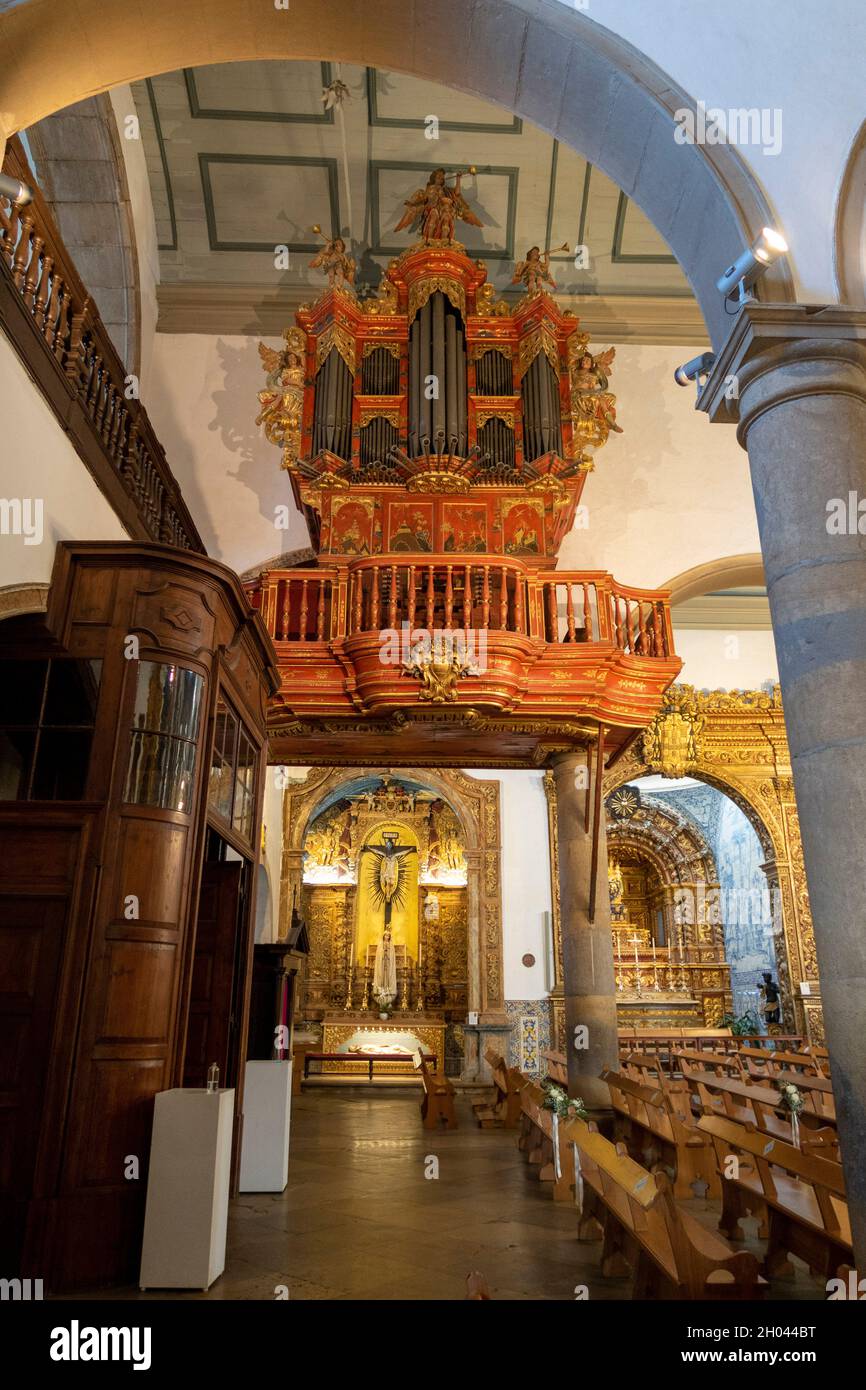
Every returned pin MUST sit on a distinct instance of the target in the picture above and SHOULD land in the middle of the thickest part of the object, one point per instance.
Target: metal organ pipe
(437, 347)
(541, 417)
(332, 411)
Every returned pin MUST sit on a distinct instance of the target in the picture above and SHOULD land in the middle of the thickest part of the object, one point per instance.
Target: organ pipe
(542, 430)
(437, 347)
(332, 413)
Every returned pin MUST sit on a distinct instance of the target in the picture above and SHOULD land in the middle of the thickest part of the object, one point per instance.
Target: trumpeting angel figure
(333, 258)
(534, 271)
(435, 209)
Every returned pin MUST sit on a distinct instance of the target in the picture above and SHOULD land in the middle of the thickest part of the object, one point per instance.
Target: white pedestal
(187, 1190)
(267, 1107)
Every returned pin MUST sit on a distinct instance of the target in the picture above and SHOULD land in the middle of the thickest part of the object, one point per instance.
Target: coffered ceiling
(246, 157)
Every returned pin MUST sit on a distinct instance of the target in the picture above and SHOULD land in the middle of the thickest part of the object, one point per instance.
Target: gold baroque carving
(335, 336)
(421, 290)
(743, 751)
(476, 803)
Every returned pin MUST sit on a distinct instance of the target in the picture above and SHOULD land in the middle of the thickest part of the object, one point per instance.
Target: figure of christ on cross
(388, 874)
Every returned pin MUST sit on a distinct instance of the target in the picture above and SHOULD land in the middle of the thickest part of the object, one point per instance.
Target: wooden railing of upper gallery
(56, 329)
(443, 593)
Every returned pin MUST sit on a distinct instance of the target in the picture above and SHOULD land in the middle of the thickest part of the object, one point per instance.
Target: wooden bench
(504, 1110)
(760, 1062)
(817, 1092)
(557, 1067)
(539, 1142)
(759, 1105)
(723, 1063)
(671, 1131)
(437, 1106)
(801, 1194)
(670, 1252)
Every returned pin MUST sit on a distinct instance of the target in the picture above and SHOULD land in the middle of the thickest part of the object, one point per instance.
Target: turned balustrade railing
(441, 593)
(36, 266)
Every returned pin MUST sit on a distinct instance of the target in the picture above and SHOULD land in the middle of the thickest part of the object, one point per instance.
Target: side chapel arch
(476, 804)
(742, 751)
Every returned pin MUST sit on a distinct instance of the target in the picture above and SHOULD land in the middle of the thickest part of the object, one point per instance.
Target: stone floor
(361, 1220)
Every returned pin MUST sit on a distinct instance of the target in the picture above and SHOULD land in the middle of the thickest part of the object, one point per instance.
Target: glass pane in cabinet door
(167, 699)
(161, 772)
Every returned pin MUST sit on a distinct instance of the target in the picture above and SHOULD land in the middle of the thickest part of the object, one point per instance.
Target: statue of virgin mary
(385, 971)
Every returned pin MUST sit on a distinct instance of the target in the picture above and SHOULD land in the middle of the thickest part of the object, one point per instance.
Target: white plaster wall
(38, 461)
(203, 405)
(526, 905)
(268, 912)
(735, 660)
(146, 250)
(740, 54)
(671, 491)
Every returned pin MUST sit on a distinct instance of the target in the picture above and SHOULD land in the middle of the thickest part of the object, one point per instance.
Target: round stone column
(587, 947)
(800, 375)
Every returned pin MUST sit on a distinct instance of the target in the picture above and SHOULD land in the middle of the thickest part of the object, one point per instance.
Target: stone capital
(784, 352)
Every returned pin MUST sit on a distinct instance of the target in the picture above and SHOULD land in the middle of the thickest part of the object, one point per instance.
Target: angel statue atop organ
(593, 406)
(282, 401)
(334, 260)
(436, 208)
(534, 271)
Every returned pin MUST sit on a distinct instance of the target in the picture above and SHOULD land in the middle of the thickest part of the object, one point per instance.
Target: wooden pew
(803, 1195)
(437, 1106)
(671, 1253)
(671, 1130)
(724, 1064)
(760, 1062)
(504, 1111)
(540, 1144)
(557, 1067)
(817, 1092)
(759, 1105)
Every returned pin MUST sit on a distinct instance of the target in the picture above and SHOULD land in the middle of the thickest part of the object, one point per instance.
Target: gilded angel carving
(435, 209)
(337, 264)
(534, 271)
(593, 406)
(282, 401)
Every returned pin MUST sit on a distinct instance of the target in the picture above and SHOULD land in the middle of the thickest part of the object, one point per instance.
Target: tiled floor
(361, 1220)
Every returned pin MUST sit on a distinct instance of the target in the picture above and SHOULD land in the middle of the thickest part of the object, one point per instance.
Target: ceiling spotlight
(739, 278)
(697, 370)
(14, 189)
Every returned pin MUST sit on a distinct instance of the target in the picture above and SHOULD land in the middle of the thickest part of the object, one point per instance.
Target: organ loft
(438, 441)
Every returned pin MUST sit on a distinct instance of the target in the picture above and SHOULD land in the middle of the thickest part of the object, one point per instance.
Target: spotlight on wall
(697, 370)
(16, 190)
(739, 278)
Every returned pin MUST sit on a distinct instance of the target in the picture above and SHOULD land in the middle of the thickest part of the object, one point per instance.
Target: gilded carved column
(800, 408)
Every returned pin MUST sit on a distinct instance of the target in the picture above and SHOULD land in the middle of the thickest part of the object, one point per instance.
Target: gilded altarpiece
(736, 741)
(457, 965)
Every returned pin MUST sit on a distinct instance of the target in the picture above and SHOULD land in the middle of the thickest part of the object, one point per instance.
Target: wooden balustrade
(57, 330)
(486, 595)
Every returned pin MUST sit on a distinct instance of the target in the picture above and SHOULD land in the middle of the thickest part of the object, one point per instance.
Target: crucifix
(388, 882)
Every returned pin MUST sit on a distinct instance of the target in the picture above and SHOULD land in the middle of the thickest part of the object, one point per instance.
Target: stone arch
(756, 804)
(557, 68)
(80, 170)
(731, 572)
(19, 599)
(679, 852)
(849, 245)
(476, 805)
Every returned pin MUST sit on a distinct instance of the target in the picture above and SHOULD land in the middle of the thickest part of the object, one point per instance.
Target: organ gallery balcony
(514, 660)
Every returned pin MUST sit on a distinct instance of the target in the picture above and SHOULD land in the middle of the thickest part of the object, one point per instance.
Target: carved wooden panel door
(213, 1012)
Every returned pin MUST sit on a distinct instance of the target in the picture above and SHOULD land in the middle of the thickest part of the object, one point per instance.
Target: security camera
(16, 190)
(696, 370)
(751, 264)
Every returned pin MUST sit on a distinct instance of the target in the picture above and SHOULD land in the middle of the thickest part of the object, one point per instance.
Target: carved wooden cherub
(282, 401)
(434, 209)
(333, 258)
(593, 406)
(534, 270)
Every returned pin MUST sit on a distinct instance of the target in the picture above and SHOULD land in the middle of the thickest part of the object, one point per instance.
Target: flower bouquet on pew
(793, 1103)
(564, 1106)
